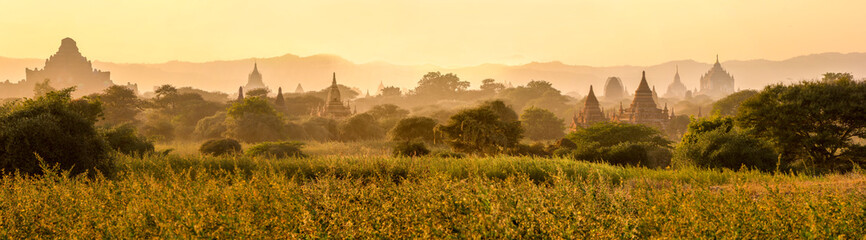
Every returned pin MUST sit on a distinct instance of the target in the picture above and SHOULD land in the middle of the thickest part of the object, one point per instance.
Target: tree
(491, 86)
(303, 105)
(623, 144)
(817, 121)
(504, 112)
(728, 106)
(483, 130)
(725, 148)
(414, 129)
(258, 92)
(55, 129)
(387, 111)
(120, 105)
(40, 89)
(254, 120)
(541, 124)
(361, 127)
(391, 92)
(178, 111)
(437, 85)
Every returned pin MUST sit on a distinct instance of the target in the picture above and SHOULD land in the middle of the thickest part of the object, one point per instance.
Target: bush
(56, 128)
(211, 127)
(277, 149)
(254, 120)
(414, 128)
(621, 144)
(534, 150)
(124, 139)
(723, 149)
(410, 149)
(361, 127)
(218, 147)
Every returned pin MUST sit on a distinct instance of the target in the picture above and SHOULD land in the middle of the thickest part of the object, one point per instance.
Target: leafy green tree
(437, 85)
(321, 129)
(211, 127)
(361, 127)
(505, 112)
(388, 111)
(387, 115)
(258, 92)
(120, 105)
(277, 149)
(815, 121)
(303, 105)
(41, 88)
(414, 129)
(724, 148)
(621, 144)
(728, 106)
(541, 124)
(697, 127)
(180, 109)
(126, 140)
(491, 86)
(391, 92)
(254, 120)
(55, 128)
(219, 147)
(483, 130)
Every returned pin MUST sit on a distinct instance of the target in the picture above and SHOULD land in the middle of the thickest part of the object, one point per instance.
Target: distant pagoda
(254, 80)
(68, 68)
(590, 114)
(334, 105)
(614, 89)
(643, 109)
(676, 89)
(299, 89)
(717, 82)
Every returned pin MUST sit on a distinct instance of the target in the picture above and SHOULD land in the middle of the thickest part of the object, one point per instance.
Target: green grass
(367, 194)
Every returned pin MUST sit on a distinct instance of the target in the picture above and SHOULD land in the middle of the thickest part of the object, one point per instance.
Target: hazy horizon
(440, 33)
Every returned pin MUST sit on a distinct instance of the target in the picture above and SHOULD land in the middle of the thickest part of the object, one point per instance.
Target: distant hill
(314, 72)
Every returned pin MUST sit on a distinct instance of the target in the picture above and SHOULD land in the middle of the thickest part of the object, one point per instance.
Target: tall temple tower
(614, 89)
(333, 104)
(254, 80)
(590, 114)
(717, 82)
(677, 89)
(643, 109)
(68, 68)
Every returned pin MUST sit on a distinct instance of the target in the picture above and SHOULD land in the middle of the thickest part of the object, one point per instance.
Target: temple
(676, 89)
(68, 68)
(299, 89)
(643, 109)
(716, 83)
(254, 80)
(590, 114)
(334, 105)
(614, 90)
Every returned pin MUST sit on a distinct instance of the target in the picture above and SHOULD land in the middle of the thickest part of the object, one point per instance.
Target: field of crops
(371, 195)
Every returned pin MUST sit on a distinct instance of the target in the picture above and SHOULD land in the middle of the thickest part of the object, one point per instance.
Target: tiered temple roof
(717, 82)
(643, 109)
(334, 106)
(590, 114)
(254, 80)
(677, 89)
(68, 68)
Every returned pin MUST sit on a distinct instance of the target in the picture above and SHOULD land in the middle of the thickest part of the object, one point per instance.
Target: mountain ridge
(314, 72)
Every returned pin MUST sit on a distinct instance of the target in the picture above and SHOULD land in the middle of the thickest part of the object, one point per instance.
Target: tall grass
(185, 196)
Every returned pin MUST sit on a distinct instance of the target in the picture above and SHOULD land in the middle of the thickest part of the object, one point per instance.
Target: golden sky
(441, 32)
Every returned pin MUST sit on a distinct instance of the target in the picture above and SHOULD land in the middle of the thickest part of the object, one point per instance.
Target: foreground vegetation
(186, 196)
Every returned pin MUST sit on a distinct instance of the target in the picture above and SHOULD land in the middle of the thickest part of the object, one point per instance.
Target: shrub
(410, 149)
(56, 128)
(723, 149)
(277, 149)
(254, 120)
(361, 127)
(491, 128)
(414, 128)
(541, 124)
(211, 127)
(534, 150)
(218, 147)
(621, 144)
(126, 140)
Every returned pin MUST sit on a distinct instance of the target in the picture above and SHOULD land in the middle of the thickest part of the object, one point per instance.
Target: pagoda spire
(334, 79)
